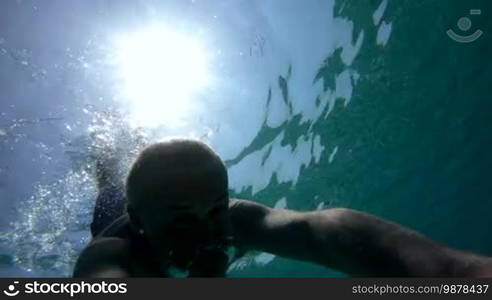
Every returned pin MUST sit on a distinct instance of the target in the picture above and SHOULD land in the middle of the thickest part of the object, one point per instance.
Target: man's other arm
(353, 242)
(103, 258)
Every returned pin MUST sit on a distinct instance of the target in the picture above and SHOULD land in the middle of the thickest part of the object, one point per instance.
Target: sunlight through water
(161, 71)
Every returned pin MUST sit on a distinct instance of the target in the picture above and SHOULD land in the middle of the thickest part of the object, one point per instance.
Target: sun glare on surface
(161, 71)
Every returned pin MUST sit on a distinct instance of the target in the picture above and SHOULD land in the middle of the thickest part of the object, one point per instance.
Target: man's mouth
(183, 256)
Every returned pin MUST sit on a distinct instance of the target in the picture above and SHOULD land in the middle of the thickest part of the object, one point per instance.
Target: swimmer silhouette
(464, 24)
(175, 213)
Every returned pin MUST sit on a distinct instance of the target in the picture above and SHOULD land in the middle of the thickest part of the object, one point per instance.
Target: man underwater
(179, 215)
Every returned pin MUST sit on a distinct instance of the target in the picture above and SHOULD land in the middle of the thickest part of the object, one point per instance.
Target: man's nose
(186, 221)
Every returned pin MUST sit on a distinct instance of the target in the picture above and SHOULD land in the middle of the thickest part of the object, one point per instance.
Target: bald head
(178, 200)
(168, 171)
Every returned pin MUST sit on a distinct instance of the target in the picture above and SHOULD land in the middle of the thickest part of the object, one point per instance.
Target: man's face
(191, 214)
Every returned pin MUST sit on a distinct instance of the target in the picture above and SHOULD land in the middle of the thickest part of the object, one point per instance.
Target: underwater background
(365, 104)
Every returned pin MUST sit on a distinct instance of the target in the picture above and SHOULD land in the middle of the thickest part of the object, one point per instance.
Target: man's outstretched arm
(357, 243)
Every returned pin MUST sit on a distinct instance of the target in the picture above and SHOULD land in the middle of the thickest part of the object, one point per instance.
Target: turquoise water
(413, 144)
(362, 104)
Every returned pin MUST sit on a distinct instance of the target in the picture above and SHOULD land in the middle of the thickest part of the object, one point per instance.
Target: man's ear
(135, 222)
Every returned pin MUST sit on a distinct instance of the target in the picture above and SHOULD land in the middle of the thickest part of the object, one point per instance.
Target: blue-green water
(414, 143)
(361, 104)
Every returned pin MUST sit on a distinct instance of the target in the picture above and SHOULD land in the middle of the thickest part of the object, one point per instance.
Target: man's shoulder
(120, 228)
(108, 243)
(101, 252)
(105, 247)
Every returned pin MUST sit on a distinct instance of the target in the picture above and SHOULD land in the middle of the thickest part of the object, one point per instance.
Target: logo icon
(10, 291)
(464, 24)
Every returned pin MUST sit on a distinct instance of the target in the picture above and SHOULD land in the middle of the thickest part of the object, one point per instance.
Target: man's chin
(209, 263)
(182, 259)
